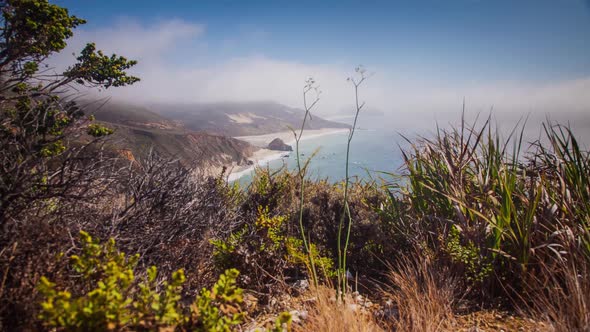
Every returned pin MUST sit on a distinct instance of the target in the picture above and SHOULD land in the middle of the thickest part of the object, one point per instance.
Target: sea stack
(277, 144)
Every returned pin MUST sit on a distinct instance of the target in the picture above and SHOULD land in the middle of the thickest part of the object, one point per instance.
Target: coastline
(263, 156)
(287, 136)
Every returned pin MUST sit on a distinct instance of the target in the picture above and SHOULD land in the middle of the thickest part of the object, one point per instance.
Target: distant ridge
(240, 119)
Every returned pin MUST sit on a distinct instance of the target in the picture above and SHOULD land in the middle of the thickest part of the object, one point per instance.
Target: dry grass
(422, 295)
(562, 296)
(327, 314)
(492, 320)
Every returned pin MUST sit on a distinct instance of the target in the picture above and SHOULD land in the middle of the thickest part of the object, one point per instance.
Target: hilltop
(241, 119)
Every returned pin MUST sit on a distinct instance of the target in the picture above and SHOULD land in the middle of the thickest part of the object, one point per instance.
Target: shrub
(516, 208)
(98, 130)
(218, 309)
(469, 256)
(111, 299)
(296, 255)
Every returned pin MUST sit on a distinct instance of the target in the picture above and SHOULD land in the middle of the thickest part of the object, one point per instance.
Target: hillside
(240, 119)
(130, 115)
(139, 130)
(199, 135)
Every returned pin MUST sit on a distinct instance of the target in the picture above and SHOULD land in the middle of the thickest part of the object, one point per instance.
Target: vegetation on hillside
(473, 231)
(141, 132)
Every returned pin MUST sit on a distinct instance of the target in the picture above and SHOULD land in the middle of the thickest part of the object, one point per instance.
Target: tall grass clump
(501, 210)
(326, 314)
(562, 295)
(424, 293)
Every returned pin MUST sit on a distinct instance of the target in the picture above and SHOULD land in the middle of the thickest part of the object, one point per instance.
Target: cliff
(139, 131)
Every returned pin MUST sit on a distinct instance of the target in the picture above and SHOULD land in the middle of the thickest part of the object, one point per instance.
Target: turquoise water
(373, 150)
(376, 144)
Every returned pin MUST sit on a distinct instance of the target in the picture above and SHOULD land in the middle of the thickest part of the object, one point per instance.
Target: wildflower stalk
(309, 87)
(342, 280)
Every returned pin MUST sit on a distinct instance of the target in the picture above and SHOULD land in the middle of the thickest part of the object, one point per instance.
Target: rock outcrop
(277, 144)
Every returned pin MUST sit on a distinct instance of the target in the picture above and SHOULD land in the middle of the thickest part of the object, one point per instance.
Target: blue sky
(426, 45)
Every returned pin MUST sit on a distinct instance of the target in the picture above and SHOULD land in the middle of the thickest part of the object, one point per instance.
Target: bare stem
(301, 172)
(342, 253)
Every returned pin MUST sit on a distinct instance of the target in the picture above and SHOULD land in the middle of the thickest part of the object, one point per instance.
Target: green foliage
(272, 225)
(261, 183)
(478, 268)
(106, 304)
(34, 121)
(223, 250)
(269, 236)
(58, 121)
(218, 309)
(52, 149)
(232, 192)
(30, 68)
(35, 28)
(512, 207)
(282, 323)
(163, 308)
(267, 187)
(98, 69)
(110, 299)
(296, 255)
(98, 130)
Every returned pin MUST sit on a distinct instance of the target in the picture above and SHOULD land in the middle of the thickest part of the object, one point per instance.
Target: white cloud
(261, 78)
(147, 44)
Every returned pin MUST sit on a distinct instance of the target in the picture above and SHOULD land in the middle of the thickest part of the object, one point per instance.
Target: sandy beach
(288, 137)
(262, 156)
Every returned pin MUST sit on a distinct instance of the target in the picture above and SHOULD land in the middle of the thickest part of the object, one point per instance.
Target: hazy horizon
(426, 56)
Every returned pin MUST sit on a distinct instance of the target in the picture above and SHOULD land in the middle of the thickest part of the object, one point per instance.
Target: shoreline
(263, 156)
(287, 136)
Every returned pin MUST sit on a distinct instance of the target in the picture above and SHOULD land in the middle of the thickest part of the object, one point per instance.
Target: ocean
(376, 143)
(374, 149)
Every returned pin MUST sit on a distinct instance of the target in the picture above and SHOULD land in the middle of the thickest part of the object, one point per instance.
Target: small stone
(301, 284)
(310, 300)
(352, 307)
(298, 316)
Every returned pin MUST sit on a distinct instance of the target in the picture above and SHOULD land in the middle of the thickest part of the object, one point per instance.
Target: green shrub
(267, 237)
(98, 130)
(296, 255)
(282, 323)
(224, 250)
(106, 303)
(264, 236)
(53, 149)
(272, 225)
(110, 299)
(477, 266)
(218, 309)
